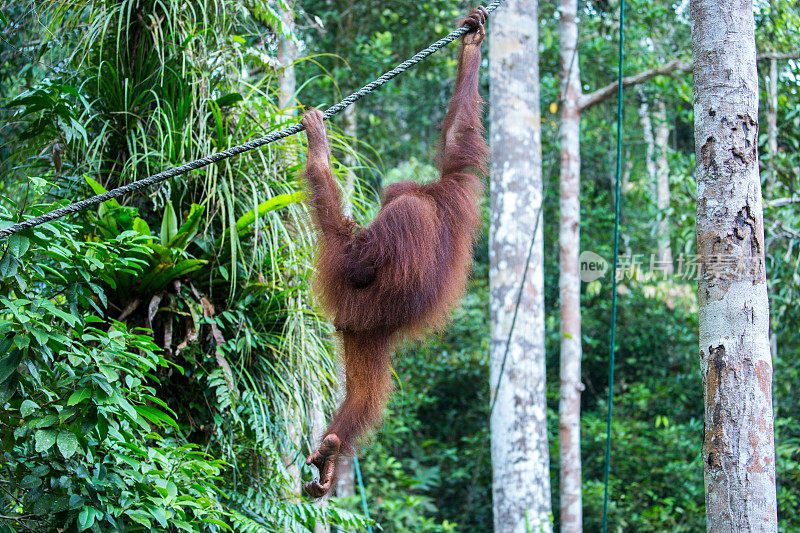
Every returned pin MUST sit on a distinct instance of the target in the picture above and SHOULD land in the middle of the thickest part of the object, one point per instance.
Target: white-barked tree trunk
(738, 444)
(662, 186)
(520, 456)
(569, 284)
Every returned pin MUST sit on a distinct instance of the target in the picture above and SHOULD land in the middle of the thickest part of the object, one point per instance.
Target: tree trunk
(658, 170)
(346, 481)
(520, 457)
(318, 425)
(287, 54)
(345, 477)
(287, 84)
(662, 187)
(345, 471)
(569, 286)
(772, 124)
(649, 142)
(772, 146)
(738, 444)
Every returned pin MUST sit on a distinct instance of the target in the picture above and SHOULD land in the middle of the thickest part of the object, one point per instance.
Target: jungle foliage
(161, 357)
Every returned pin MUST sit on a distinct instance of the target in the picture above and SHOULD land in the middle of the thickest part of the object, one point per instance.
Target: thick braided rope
(241, 148)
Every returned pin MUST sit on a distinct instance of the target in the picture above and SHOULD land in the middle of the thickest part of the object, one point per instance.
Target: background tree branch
(676, 66)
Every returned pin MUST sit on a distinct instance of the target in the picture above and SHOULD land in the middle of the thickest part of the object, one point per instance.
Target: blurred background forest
(162, 363)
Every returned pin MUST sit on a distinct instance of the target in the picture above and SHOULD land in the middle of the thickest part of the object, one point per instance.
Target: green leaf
(61, 504)
(99, 189)
(229, 99)
(169, 224)
(67, 444)
(139, 517)
(68, 318)
(27, 407)
(33, 101)
(41, 336)
(43, 505)
(102, 427)
(46, 421)
(188, 230)
(217, 522)
(45, 438)
(79, 395)
(22, 341)
(276, 202)
(141, 227)
(155, 416)
(123, 403)
(158, 514)
(30, 482)
(18, 244)
(8, 266)
(109, 372)
(85, 518)
(77, 126)
(176, 271)
(89, 420)
(172, 490)
(9, 364)
(75, 501)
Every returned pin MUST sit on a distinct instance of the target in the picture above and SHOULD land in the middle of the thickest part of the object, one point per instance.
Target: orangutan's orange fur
(402, 274)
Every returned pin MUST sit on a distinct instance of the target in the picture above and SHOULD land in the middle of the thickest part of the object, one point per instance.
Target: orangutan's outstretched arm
(325, 195)
(462, 144)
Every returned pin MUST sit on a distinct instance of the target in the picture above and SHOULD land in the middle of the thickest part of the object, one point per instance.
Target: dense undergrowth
(162, 363)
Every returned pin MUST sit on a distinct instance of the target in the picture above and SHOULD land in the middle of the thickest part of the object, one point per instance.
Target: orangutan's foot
(325, 461)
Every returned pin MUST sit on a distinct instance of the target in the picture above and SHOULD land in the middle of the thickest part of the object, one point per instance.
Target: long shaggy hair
(401, 275)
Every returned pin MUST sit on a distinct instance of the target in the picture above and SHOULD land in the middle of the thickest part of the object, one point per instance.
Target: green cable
(612, 343)
(361, 490)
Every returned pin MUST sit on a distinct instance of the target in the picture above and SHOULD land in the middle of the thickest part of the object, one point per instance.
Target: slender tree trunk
(662, 187)
(772, 124)
(658, 170)
(520, 457)
(569, 286)
(287, 84)
(346, 479)
(649, 141)
(287, 55)
(572, 104)
(738, 447)
(772, 147)
(345, 470)
(288, 456)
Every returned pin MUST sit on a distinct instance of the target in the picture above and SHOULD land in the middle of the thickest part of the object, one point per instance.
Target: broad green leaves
(27, 408)
(155, 416)
(79, 395)
(54, 109)
(169, 225)
(274, 203)
(45, 438)
(79, 400)
(67, 443)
